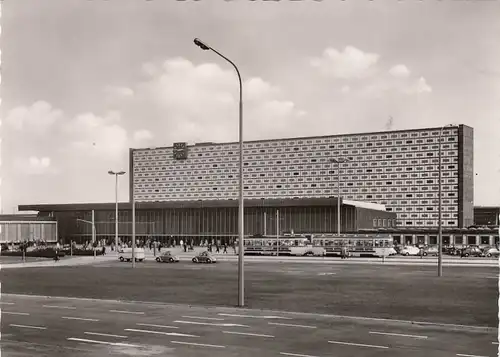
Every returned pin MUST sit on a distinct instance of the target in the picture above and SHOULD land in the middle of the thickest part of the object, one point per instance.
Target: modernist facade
(398, 169)
(211, 219)
(17, 228)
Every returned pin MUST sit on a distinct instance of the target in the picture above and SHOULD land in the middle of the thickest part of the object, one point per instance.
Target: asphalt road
(62, 327)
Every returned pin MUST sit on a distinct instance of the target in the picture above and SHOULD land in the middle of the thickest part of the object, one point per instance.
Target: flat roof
(23, 218)
(303, 137)
(301, 202)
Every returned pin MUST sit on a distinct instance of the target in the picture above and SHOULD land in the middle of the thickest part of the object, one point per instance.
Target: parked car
(125, 254)
(491, 252)
(472, 251)
(204, 257)
(433, 250)
(410, 250)
(167, 257)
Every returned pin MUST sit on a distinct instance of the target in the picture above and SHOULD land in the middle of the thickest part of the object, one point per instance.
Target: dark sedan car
(167, 257)
(204, 257)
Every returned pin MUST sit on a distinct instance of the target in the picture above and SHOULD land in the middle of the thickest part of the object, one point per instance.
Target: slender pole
(241, 274)
(116, 212)
(265, 224)
(241, 217)
(440, 225)
(133, 232)
(277, 232)
(338, 199)
(93, 234)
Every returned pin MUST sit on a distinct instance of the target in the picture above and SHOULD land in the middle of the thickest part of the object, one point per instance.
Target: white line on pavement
(203, 318)
(127, 312)
(78, 318)
(356, 344)
(247, 334)
(59, 307)
(15, 313)
(295, 354)
(153, 325)
(462, 355)
(104, 334)
(160, 332)
(494, 343)
(197, 344)
(6, 303)
(209, 323)
(396, 334)
(101, 342)
(28, 326)
(290, 325)
(257, 316)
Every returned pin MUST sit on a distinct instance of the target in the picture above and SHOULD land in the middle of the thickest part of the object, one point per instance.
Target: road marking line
(6, 303)
(397, 334)
(290, 325)
(323, 274)
(257, 316)
(356, 344)
(462, 355)
(104, 334)
(295, 354)
(59, 307)
(203, 318)
(247, 334)
(160, 332)
(28, 326)
(101, 342)
(45, 345)
(15, 313)
(78, 318)
(127, 312)
(293, 313)
(197, 344)
(494, 343)
(209, 324)
(152, 325)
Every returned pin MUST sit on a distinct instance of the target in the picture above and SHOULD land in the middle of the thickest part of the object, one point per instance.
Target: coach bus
(357, 244)
(295, 245)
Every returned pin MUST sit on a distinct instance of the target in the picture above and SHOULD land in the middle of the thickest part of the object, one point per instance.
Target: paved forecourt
(56, 327)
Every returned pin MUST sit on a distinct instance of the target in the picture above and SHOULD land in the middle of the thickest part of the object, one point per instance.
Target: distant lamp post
(116, 174)
(339, 161)
(241, 281)
(440, 224)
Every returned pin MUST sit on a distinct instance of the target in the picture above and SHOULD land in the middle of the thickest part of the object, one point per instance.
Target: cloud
(418, 87)
(37, 118)
(142, 135)
(351, 63)
(34, 165)
(400, 71)
(200, 103)
(118, 91)
(98, 136)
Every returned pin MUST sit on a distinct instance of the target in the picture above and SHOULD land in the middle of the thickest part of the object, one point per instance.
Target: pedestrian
(225, 248)
(103, 250)
(217, 248)
(185, 247)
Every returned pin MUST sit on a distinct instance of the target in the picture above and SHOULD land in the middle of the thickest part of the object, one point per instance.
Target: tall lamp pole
(338, 162)
(241, 219)
(116, 174)
(440, 224)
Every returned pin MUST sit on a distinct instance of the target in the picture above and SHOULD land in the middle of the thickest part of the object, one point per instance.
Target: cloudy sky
(82, 81)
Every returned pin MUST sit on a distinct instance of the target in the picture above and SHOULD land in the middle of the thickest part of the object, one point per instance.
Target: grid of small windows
(398, 169)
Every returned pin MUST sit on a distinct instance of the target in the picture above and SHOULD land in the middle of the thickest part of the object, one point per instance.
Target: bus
(378, 245)
(286, 244)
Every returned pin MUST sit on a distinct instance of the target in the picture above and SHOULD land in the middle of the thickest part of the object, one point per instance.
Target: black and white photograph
(222, 178)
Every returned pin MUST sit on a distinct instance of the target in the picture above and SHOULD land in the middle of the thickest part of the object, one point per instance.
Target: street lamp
(440, 225)
(116, 174)
(241, 281)
(338, 162)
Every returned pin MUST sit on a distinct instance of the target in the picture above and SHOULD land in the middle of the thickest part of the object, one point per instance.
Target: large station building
(390, 183)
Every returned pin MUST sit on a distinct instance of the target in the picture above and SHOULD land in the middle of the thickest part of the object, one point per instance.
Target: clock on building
(180, 151)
